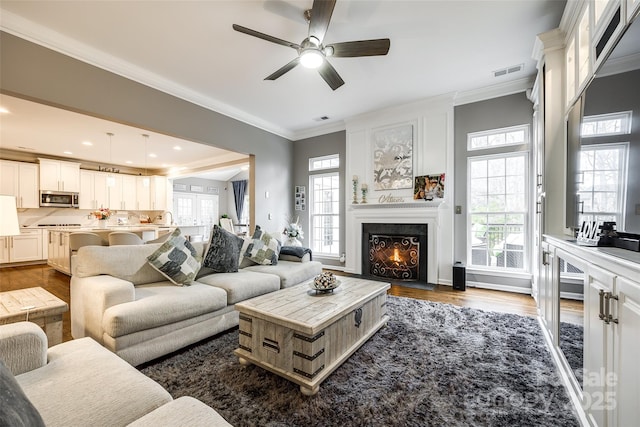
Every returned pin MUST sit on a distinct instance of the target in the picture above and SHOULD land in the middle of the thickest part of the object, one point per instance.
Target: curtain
(239, 190)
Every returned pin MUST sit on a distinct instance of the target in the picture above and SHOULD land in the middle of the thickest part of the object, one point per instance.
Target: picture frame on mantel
(429, 187)
(393, 158)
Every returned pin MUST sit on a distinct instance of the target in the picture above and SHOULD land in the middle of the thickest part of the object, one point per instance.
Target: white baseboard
(505, 288)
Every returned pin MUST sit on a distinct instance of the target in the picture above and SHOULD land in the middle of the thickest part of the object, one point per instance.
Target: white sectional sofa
(80, 383)
(126, 305)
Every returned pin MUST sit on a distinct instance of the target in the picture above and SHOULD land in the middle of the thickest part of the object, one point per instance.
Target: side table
(34, 305)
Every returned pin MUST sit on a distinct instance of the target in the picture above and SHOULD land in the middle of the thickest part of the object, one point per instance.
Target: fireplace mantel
(392, 214)
(412, 205)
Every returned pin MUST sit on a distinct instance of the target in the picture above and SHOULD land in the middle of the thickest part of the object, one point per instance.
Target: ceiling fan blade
(330, 75)
(266, 37)
(290, 66)
(361, 48)
(320, 16)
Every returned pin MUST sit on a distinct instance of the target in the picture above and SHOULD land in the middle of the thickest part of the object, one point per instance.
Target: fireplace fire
(393, 257)
(395, 252)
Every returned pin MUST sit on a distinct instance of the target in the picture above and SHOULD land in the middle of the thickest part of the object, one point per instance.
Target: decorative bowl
(324, 282)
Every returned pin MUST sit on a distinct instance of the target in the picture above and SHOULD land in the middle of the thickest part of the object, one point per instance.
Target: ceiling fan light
(311, 58)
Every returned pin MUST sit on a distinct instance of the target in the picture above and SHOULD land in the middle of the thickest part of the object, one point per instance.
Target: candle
(364, 186)
(355, 177)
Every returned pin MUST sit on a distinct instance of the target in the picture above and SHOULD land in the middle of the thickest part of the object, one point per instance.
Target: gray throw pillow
(224, 251)
(176, 259)
(15, 407)
(263, 249)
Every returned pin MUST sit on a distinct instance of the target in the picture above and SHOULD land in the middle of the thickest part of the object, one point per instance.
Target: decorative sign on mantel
(390, 198)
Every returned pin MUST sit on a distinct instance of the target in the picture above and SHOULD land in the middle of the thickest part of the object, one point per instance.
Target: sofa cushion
(126, 262)
(243, 284)
(263, 249)
(290, 272)
(160, 304)
(15, 408)
(184, 411)
(84, 384)
(224, 251)
(176, 259)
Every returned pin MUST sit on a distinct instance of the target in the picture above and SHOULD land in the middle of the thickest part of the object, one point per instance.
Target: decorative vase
(102, 223)
(292, 241)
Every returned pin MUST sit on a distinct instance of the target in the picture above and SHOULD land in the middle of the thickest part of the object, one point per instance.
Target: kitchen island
(59, 253)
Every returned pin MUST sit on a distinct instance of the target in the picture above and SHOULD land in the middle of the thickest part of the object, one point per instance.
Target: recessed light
(152, 155)
(4, 110)
(88, 143)
(129, 162)
(177, 148)
(68, 152)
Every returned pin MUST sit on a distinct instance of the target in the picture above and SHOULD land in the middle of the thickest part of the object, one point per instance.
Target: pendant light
(111, 180)
(145, 179)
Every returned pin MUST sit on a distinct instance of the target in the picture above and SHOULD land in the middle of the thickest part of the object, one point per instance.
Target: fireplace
(395, 252)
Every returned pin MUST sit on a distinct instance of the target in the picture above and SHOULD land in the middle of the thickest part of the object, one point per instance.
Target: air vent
(321, 119)
(508, 70)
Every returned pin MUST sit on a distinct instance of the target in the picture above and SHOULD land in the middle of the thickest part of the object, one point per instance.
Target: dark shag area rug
(432, 365)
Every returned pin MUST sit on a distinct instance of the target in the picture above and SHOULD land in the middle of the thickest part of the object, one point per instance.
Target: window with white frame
(324, 206)
(606, 124)
(498, 197)
(602, 186)
(515, 135)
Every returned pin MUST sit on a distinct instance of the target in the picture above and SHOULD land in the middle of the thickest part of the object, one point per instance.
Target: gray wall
(495, 113)
(614, 94)
(303, 150)
(33, 72)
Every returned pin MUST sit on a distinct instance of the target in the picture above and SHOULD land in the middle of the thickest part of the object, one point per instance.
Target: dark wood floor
(12, 278)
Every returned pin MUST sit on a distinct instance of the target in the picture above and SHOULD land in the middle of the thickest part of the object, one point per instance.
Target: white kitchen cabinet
(122, 195)
(610, 393)
(627, 373)
(93, 190)
(143, 193)
(159, 193)
(20, 179)
(25, 247)
(59, 255)
(56, 175)
(4, 249)
(599, 345)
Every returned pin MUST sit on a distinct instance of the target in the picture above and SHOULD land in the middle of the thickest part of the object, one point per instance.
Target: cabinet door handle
(601, 295)
(545, 258)
(581, 210)
(608, 318)
(539, 180)
(538, 207)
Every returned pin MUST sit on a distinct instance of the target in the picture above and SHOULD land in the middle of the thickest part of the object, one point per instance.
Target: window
(497, 217)
(602, 188)
(324, 206)
(196, 209)
(606, 124)
(515, 135)
(325, 162)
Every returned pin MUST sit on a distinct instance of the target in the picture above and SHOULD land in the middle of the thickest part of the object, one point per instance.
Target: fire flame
(396, 255)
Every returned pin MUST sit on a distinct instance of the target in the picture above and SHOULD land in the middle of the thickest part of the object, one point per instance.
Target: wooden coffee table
(35, 305)
(304, 336)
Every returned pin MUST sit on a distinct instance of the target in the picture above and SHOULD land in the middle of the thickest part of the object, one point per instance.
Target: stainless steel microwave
(58, 199)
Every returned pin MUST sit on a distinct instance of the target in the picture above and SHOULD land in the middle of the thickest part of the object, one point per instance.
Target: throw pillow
(15, 407)
(224, 251)
(176, 259)
(263, 248)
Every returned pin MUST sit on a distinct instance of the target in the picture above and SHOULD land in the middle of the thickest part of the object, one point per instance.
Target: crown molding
(620, 65)
(319, 130)
(32, 32)
(494, 91)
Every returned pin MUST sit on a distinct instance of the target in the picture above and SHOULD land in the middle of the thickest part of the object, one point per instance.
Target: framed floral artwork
(393, 158)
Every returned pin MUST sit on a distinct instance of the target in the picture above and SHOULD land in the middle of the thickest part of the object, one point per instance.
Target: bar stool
(124, 238)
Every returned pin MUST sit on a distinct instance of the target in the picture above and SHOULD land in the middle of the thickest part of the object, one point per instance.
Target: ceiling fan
(312, 53)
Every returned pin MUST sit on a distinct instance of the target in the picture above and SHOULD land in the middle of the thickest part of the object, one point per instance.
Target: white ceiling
(36, 128)
(189, 49)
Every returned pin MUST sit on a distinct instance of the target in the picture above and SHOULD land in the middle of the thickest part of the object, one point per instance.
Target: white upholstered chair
(227, 224)
(124, 238)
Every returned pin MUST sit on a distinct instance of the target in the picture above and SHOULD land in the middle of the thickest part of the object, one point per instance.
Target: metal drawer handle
(601, 295)
(271, 345)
